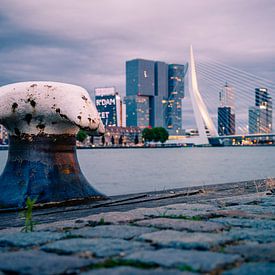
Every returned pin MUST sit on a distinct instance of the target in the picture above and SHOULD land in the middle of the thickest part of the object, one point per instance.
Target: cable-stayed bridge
(229, 103)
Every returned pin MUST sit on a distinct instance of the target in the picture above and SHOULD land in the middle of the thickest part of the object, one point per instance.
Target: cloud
(87, 42)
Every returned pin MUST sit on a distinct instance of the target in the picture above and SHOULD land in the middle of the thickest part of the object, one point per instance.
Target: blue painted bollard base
(45, 168)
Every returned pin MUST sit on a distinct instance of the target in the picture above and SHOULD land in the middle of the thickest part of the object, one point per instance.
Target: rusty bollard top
(42, 119)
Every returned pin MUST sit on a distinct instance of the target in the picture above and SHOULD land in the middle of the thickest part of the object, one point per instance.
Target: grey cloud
(87, 42)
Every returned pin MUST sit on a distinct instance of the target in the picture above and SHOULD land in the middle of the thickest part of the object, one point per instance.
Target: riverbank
(163, 146)
(218, 229)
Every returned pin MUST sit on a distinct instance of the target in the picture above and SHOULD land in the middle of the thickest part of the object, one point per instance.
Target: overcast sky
(87, 42)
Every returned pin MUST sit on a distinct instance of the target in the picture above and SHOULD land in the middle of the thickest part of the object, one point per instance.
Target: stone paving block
(268, 201)
(61, 226)
(112, 231)
(176, 239)
(38, 262)
(254, 251)
(130, 216)
(236, 213)
(180, 224)
(253, 268)
(255, 209)
(251, 234)
(115, 217)
(246, 223)
(191, 206)
(100, 247)
(240, 200)
(21, 239)
(204, 261)
(185, 210)
(126, 270)
(143, 213)
(177, 213)
(11, 230)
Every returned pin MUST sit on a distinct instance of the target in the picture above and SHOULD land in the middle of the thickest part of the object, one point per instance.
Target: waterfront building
(115, 135)
(260, 115)
(150, 101)
(109, 106)
(137, 111)
(146, 88)
(226, 111)
(226, 121)
(176, 74)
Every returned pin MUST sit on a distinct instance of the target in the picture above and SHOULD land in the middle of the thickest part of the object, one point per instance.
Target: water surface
(124, 171)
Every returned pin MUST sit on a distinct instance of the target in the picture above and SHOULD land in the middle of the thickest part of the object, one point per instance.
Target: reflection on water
(124, 171)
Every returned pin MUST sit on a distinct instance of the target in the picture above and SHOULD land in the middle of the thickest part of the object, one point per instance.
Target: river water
(125, 171)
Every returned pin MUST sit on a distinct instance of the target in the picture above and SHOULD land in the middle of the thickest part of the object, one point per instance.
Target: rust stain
(66, 171)
(32, 102)
(41, 127)
(14, 106)
(28, 118)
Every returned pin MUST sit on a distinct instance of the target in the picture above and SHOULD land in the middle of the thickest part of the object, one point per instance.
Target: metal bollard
(42, 119)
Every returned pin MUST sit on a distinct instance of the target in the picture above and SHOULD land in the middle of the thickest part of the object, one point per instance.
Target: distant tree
(156, 134)
(147, 134)
(163, 134)
(81, 135)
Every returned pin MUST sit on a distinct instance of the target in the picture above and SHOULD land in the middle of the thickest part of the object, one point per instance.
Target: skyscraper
(226, 96)
(226, 111)
(148, 94)
(146, 88)
(260, 115)
(226, 121)
(176, 74)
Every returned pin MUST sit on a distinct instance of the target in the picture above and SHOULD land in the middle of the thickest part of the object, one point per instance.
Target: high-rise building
(109, 106)
(226, 96)
(137, 111)
(260, 115)
(226, 121)
(147, 93)
(161, 94)
(176, 74)
(226, 111)
(146, 88)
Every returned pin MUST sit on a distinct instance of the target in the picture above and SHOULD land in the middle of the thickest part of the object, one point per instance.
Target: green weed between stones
(181, 217)
(185, 267)
(101, 221)
(27, 215)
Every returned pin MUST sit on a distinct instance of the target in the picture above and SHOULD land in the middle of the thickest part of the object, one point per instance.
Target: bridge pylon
(202, 117)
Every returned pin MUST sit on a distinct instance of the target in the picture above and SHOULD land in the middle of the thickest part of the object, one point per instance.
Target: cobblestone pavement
(230, 235)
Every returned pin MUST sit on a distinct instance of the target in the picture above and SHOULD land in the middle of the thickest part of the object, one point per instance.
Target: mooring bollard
(42, 119)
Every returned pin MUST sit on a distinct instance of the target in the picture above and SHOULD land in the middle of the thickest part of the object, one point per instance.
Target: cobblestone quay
(222, 229)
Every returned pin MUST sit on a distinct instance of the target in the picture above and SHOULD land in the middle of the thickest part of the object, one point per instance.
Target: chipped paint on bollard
(42, 119)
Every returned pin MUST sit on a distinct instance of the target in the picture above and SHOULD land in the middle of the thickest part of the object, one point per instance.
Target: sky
(87, 42)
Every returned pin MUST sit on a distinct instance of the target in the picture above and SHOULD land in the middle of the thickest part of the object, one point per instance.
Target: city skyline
(88, 43)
